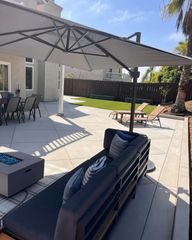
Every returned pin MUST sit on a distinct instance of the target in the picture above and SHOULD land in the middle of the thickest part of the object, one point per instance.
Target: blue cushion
(73, 185)
(117, 146)
(125, 136)
(93, 169)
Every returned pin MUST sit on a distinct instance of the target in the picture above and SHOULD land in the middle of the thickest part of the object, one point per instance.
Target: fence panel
(122, 90)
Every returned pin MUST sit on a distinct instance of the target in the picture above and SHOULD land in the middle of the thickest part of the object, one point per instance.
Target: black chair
(38, 99)
(11, 108)
(28, 106)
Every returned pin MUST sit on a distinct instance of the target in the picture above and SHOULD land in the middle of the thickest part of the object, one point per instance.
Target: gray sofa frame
(91, 211)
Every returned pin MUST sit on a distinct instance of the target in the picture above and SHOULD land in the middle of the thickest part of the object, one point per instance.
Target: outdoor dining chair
(28, 106)
(12, 108)
(153, 116)
(38, 99)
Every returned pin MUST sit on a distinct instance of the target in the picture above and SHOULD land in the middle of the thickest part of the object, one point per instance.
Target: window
(29, 77)
(29, 60)
(3, 77)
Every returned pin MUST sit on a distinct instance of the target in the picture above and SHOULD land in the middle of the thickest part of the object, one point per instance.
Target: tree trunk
(179, 105)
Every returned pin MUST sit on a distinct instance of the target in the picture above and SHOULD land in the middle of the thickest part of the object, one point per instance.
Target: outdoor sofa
(89, 213)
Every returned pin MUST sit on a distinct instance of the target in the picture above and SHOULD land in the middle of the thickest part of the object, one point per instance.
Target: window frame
(32, 67)
(8, 64)
(29, 62)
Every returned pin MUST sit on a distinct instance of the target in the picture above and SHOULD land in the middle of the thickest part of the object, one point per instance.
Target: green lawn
(110, 105)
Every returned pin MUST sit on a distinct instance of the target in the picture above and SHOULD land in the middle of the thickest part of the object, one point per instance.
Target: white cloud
(176, 37)
(99, 7)
(125, 15)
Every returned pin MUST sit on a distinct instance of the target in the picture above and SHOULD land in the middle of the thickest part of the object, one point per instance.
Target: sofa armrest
(74, 209)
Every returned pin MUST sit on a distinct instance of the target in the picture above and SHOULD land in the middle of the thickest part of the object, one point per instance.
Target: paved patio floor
(66, 142)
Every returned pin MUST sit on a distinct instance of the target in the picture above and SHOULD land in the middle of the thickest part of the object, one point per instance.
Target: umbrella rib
(23, 38)
(28, 30)
(91, 54)
(82, 50)
(68, 39)
(90, 44)
(60, 37)
(106, 52)
(35, 38)
(78, 40)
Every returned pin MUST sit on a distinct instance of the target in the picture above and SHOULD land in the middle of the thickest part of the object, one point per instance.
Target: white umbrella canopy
(25, 32)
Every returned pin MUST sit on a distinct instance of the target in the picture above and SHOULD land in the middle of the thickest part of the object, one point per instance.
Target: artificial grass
(110, 105)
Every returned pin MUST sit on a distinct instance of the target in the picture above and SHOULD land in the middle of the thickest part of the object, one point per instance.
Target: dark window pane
(3, 77)
(29, 78)
(30, 60)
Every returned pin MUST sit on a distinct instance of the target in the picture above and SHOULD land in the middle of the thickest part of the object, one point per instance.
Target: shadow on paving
(147, 217)
(48, 133)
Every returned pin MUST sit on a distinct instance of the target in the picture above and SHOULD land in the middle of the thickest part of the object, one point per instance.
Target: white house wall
(81, 74)
(17, 65)
(51, 82)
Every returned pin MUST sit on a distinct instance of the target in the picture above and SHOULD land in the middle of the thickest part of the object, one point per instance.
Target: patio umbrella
(26, 32)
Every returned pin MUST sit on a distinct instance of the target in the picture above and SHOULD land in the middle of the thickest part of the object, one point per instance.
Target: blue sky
(123, 18)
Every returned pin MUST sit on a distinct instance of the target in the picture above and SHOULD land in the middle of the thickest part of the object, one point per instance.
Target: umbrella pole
(61, 89)
(133, 100)
(135, 75)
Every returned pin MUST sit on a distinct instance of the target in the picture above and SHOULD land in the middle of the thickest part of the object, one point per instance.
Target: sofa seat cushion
(125, 160)
(36, 219)
(139, 142)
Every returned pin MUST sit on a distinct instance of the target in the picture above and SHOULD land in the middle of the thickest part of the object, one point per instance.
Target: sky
(125, 17)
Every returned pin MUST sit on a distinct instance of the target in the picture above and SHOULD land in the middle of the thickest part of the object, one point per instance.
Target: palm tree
(148, 74)
(183, 10)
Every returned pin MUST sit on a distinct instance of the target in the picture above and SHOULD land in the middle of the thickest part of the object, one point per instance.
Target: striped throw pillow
(93, 169)
(117, 146)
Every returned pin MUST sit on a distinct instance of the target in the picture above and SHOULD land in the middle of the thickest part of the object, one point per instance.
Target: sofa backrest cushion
(140, 142)
(110, 133)
(125, 160)
(117, 146)
(125, 136)
(94, 169)
(82, 202)
(73, 185)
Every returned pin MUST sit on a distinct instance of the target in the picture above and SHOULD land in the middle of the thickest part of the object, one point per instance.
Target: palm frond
(179, 19)
(187, 22)
(174, 7)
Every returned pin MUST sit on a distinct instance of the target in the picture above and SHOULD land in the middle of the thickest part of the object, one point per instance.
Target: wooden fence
(122, 90)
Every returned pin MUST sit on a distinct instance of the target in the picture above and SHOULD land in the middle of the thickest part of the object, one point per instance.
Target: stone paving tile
(6, 135)
(65, 143)
(33, 148)
(132, 219)
(34, 136)
(161, 216)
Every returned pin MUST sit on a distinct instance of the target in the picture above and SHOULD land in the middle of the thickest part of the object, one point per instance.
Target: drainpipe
(61, 89)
